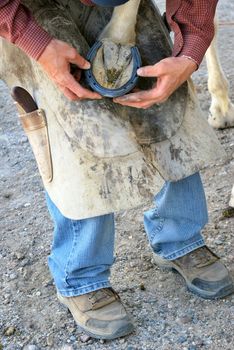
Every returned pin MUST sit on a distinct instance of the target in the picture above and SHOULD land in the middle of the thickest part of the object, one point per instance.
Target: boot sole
(221, 293)
(121, 332)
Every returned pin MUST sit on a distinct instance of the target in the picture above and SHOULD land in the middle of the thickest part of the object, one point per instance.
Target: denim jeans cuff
(73, 292)
(185, 250)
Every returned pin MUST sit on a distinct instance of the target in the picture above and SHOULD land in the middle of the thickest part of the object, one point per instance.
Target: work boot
(204, 273)
(100, 313)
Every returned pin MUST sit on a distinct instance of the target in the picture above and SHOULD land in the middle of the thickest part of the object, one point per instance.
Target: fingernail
(140, 71)
(87, 65)
(124, 98)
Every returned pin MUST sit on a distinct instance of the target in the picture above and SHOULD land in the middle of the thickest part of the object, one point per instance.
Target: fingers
(147, 71)
(159, 69)
(136, 97)
(142, 105)
(171, 72)
(77, 59)
(55, 60)
(80, 91)
(69, 83)
(142, 99)
(146, 99)
(68, 93)
(72, 89)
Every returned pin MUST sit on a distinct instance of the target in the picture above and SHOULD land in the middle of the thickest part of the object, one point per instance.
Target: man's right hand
(55, 60)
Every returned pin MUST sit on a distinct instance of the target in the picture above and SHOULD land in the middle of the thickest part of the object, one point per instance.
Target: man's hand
(170, 73)
(55, 60)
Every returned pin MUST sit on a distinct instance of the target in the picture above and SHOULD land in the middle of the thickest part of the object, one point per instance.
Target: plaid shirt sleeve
(192, 22)
(18, 26)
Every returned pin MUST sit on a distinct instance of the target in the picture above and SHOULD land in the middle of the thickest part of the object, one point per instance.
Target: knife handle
(24, 99)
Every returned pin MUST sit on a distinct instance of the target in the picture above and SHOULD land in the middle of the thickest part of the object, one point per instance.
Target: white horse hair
(221, 113)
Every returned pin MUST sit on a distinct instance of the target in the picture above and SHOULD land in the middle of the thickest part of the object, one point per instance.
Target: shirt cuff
(193, 47)
(34, 40)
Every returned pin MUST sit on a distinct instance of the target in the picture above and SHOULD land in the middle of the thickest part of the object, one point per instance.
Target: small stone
(19, 255)
(181, 339)
(30, 347)
(50, 340)
(23, 140)
(84, 338)
(71, 329)
(162, 278)
(185, 319)
(50, 283)
(25, 262)
(38, 293)
(142, 286)
(31, 326)
(133, 264)
(102, 341)
(164, 325)
(9, 331)
(6, 301)
(13, 276)
(26, 205)
(7, 195)
(72, 338)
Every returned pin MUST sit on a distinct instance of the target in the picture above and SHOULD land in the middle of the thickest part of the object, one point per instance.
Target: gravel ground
(165, 314)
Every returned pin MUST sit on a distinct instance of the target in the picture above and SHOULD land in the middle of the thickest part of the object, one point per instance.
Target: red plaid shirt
(190, 20)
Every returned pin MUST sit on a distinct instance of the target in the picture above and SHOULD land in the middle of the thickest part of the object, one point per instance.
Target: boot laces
(202, 257)
(100, 295)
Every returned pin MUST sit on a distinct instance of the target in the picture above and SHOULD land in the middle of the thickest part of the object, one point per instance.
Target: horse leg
(231, 202)
(113, 64)
(121, 28)
(221, 110)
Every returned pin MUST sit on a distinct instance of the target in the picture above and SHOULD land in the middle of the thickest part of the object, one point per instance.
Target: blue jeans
(82, 250)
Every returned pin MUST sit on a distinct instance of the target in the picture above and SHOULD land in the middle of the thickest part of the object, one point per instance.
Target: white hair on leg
(231, 202)
(221, 109)
(121, 28)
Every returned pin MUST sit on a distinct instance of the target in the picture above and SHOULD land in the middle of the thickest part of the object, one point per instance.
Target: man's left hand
(170, 72)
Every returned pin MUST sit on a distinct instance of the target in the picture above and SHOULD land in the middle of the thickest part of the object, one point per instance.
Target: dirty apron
(97, 157)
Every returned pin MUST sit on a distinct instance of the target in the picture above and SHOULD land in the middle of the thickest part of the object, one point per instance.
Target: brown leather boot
(100, 313)
(204, 273)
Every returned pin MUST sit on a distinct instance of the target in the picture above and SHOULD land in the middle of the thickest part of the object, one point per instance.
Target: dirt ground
(165, 314)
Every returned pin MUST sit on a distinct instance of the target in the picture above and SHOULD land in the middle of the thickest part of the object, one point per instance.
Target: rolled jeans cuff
(73, 292)
(185, 250)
